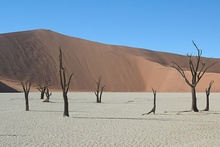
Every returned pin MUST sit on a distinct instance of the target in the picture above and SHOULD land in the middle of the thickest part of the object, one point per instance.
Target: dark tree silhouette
(42, 89)
(64, 84)
(99, 90)
(153, 110)
(197, 69)
(207, 95)
(48, 94)
(26, 88)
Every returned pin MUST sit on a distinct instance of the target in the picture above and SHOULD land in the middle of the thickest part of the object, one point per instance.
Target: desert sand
(116, 122)
(33, 55)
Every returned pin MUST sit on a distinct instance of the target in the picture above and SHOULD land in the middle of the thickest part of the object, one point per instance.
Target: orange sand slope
(34, 55)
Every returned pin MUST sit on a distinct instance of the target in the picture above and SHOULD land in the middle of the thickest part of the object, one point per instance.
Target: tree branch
(180, 70)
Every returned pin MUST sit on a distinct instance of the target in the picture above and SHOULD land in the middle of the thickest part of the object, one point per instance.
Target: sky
(159, 25)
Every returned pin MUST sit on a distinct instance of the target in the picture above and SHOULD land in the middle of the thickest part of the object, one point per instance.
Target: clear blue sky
(160, 25)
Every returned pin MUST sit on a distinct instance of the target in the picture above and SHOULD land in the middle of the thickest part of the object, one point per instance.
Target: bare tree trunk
(66, 105)
(97, 96)
(207, 95)
(102, 88)
(26, 88)
(99, 90)
(207, 103)
(64, 84)
(48, 94)
(194, 100)
(42, 94)
(153, 110)
(42, 89)
(26, 101)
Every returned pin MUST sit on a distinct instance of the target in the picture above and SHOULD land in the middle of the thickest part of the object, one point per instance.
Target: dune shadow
(7, 89)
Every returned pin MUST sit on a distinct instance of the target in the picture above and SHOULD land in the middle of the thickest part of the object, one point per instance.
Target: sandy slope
(118, 121)
(34, 55)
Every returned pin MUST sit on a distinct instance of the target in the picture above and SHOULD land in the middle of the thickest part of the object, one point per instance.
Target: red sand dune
(33, 55)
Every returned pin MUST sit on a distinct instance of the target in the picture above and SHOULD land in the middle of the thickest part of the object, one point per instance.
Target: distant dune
(33, 55)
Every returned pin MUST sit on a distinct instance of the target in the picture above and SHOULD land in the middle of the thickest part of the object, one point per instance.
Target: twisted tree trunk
(48, 94)
(207, 95)
(99, 90)
(26, 88)
(42, 89)
(153, 110)
(64, 85)
(194, 100)
(66, 105)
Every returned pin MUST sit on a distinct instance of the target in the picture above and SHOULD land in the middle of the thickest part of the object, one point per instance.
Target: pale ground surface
(118, 121)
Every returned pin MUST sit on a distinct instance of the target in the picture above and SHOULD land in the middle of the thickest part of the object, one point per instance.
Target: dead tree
(26, 88)
(64, 84)
(99, 90)
(42, 89)
(154, 107)
(48, 94)
(207, 95)
(197, 69)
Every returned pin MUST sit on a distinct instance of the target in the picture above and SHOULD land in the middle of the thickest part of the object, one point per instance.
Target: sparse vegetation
(207, 95)
(48, 94)
(42, 89)
(64, 84)
(26, 88)
(197, 68)
(99, 90)
(153, 110)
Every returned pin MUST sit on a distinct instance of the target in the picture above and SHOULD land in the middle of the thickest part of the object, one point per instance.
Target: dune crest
(34, 55)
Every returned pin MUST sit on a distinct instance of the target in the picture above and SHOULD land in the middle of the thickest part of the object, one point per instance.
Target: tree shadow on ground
(190, 112)
(49, 111)
(120, 118)
(10, 135)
